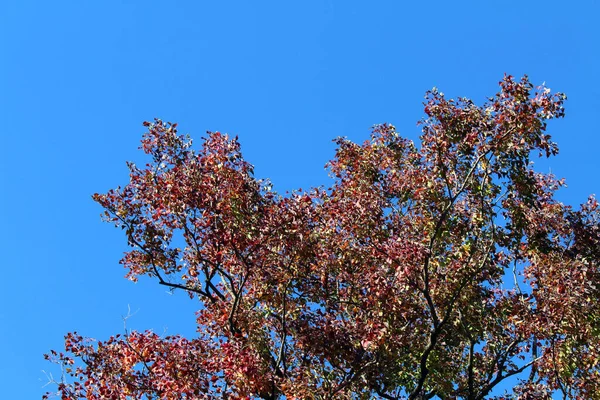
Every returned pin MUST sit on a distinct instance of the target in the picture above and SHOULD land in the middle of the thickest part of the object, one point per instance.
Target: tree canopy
(430, 271)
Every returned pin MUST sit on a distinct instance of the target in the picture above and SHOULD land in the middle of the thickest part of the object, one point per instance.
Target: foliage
(423, 272)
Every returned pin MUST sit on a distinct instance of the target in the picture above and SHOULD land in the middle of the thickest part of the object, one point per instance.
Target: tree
(424, 272)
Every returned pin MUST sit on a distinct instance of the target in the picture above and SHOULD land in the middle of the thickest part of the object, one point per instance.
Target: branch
(353, 374)
(281, 356)
(161, 280)
(435, 234)
(499, 378)
(236, 302)
(381, 393)
(470, 368)
(424, 371)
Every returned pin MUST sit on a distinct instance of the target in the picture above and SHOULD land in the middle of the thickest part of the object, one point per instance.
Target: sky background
(77, 78)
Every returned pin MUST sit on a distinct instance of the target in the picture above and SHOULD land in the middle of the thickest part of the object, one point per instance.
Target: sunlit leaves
(422, 271)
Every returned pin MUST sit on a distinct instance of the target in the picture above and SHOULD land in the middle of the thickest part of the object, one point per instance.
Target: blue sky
(77, 78)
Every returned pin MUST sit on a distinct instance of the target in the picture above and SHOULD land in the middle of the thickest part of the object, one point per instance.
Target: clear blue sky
(77, 78)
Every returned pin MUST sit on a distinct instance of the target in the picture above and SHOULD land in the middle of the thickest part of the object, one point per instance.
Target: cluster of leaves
(427, 272)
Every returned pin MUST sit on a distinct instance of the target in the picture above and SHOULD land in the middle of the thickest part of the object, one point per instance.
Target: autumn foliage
(430, 271)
